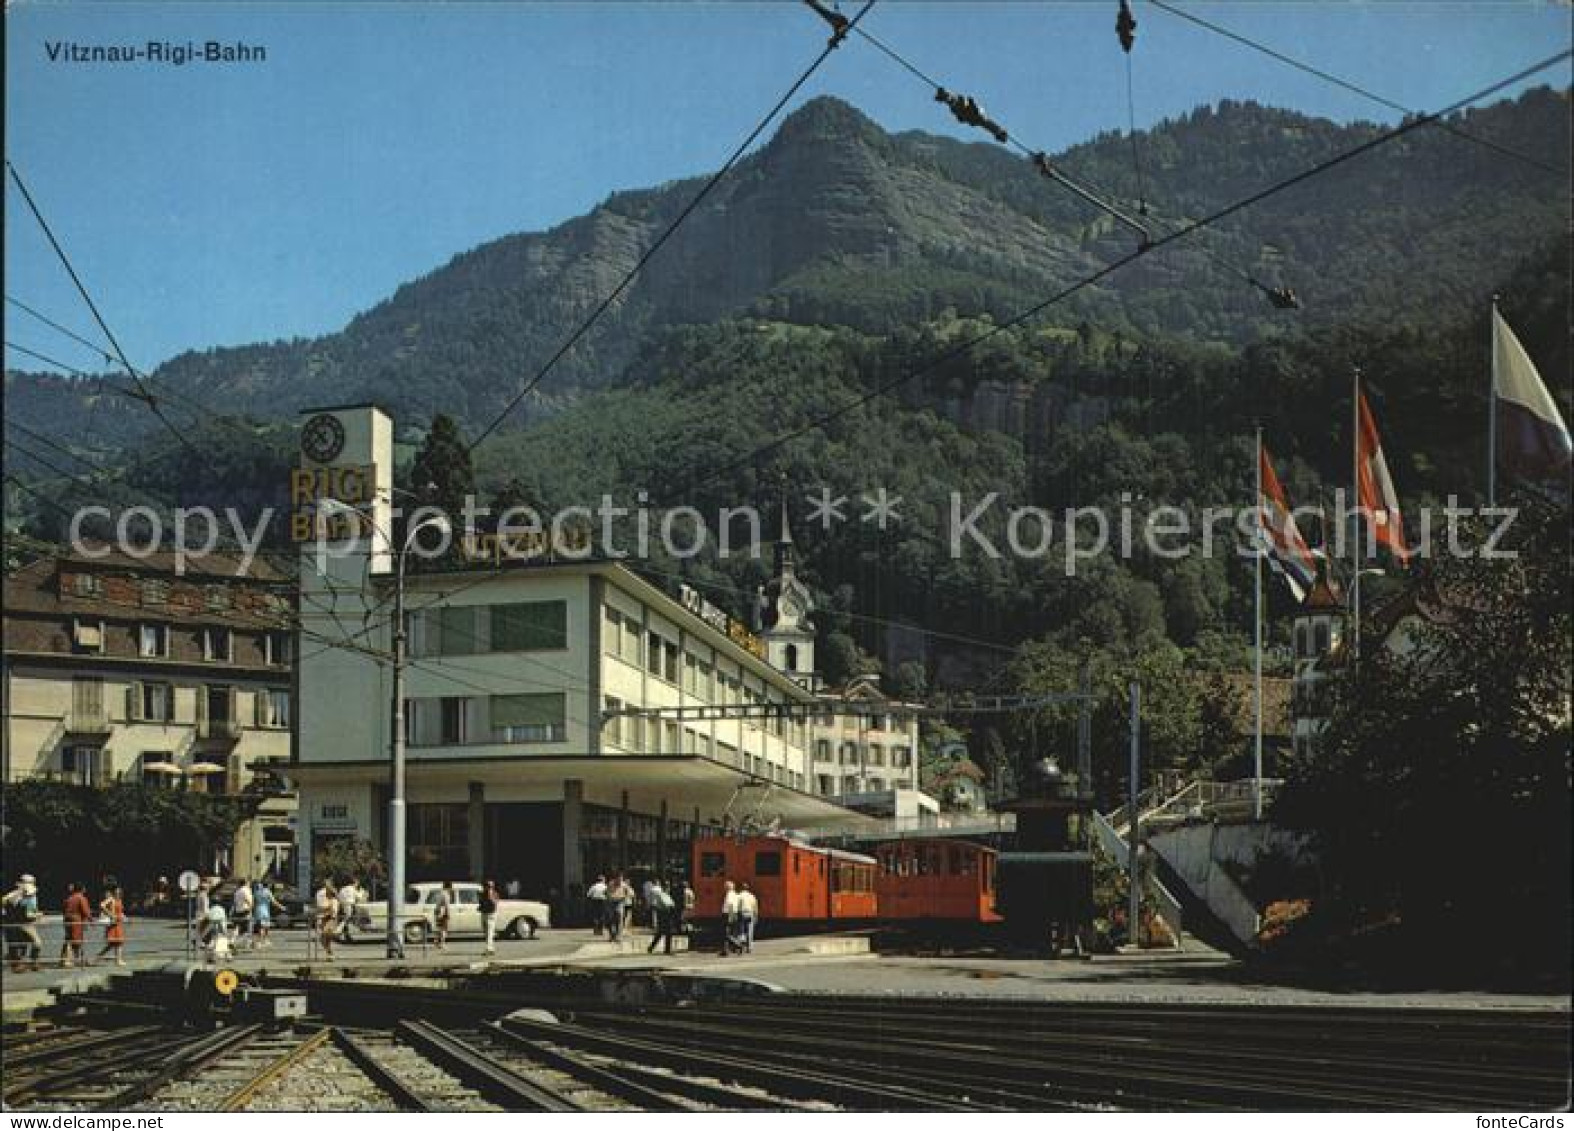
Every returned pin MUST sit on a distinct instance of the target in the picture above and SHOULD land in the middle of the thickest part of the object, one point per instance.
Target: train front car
(936, 880)
(796, 883)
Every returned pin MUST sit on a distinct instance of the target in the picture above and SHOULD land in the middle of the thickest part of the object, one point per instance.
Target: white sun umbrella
(162, 768)
(205, 768)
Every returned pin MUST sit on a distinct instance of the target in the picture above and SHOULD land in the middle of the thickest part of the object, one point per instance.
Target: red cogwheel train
(907, 880)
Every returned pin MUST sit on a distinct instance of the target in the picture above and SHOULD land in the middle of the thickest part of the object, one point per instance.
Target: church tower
(784, 609)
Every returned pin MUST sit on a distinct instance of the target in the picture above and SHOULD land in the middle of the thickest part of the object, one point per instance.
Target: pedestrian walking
(349, 895)
(663, 915)
(748, 916)
(443, 912)
(263, 904)
(619, 895)
(327, 905)
(596, 896)
(686, 901)
(489, 902)
(730, 911)
(75, 915)
(240, 912)
(113, 912)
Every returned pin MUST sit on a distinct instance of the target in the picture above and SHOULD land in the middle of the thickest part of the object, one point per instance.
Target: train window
(797, 864)
(713, 863)
(965, 861)
(767, 863)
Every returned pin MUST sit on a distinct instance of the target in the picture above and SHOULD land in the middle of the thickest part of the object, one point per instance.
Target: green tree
(441, 474)
(1438, 798)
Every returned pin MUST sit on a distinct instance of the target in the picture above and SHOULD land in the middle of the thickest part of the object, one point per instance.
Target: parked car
(516, 918)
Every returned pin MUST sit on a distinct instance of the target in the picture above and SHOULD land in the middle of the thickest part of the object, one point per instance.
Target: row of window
(153, 701)
(153, 642)
(644, 735)
(826, 785)
(901, 756)
(469, 630)
(453, 720)
(89, 765)
(665, 659)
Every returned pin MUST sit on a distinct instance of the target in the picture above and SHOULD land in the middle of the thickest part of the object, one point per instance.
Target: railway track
(456, 1051)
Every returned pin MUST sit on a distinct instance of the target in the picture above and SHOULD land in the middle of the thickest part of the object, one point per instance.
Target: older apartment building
(117, 668)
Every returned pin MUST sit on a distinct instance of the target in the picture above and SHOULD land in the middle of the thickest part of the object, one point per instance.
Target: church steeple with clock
(784, 610)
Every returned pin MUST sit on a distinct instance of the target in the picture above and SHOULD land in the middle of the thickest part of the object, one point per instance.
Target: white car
(516, 918)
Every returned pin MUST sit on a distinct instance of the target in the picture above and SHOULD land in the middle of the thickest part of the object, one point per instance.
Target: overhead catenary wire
(66, 330)
(705, 190)
(1354, 88)
(65, 261)
(1188, 229)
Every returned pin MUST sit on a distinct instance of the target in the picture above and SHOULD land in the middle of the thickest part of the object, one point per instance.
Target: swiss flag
(1375, 487)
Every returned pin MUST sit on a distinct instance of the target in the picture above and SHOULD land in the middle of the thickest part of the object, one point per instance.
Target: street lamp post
(396, 806)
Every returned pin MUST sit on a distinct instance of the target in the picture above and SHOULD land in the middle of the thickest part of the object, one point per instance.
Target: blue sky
(218, 205)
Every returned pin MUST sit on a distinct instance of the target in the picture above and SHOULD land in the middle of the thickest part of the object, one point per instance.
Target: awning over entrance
(683, 782)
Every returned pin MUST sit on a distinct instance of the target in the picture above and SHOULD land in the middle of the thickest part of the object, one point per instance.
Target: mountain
(837, 222)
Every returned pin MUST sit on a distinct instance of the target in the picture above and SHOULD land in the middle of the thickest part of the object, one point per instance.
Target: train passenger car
(936, 879)
(795, 882)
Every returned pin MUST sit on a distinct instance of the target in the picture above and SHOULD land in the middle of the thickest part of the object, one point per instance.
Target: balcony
(223, 730)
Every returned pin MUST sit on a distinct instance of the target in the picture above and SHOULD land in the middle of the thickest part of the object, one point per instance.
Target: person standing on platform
(76, 913)
(199, 913)
(489, 901)
(748, 916)
(442, 913)
(684, 898)
(730, 910)
(663, 917)
(618, 896)
(597, 898)
(113, 911)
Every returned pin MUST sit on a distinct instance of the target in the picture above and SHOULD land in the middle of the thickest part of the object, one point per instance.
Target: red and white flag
(1375, 493)
(1287, 550)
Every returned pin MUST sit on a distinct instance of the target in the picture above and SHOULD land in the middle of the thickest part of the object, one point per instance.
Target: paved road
(154, 942)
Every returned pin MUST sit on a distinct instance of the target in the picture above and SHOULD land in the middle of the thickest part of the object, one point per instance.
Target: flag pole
(1257, 632)
(1360, 526)
(1492, 415)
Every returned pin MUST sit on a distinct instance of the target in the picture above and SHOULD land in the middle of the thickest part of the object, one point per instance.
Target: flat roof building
(526, 757)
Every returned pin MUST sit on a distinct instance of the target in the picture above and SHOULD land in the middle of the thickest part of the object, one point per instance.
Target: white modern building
(524, 760)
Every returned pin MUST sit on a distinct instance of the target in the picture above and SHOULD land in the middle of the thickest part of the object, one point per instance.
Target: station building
(523, 761)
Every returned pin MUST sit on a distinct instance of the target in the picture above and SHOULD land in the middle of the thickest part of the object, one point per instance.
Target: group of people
(668, 908)
(246, 922)
(334, 910)
(22, 914)
(740, 914)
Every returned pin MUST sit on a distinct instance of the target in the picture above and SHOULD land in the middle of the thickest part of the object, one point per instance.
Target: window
(457, 633)
(1322, 637)
(653, 653)
(611, 630)
(825, 784)
(876, 754)
(669, 661)
(86, 585)
(690, 673)
(79, 764)
(217, 645)
(153, 640)
(273, 708)
(529, 718)
(278, 648)
(530, 626)
(767, 863)
(87, 702)
(87, 636)
(669, 739)
(822, 750)
(792, 657)
(713, 863)
(439, 840)
(451, 728)
(150, 702)
(155, 592)
(877, 785)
